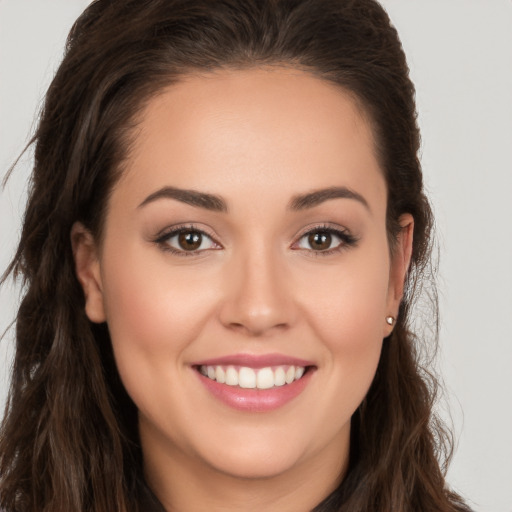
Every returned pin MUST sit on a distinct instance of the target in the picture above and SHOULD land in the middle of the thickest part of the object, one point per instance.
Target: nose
(258, 296)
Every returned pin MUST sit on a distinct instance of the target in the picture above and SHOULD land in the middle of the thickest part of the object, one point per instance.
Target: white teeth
(220, 374)
(265, 378)
(231, 377)
(249, 378)
(279, 377)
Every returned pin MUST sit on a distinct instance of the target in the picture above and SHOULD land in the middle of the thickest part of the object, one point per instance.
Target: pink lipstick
(255, 383)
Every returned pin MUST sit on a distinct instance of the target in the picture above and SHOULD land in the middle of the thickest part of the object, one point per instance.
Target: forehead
(269, 129)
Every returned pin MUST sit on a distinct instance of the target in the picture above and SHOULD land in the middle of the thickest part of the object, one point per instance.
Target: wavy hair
(69, 438)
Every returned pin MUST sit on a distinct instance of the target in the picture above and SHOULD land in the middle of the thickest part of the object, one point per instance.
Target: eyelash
(163, 239)
(347, 240)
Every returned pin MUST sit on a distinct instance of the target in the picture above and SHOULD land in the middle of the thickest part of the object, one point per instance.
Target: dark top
(149, 502)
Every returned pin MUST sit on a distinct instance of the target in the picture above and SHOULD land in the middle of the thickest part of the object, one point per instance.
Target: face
(246, 243)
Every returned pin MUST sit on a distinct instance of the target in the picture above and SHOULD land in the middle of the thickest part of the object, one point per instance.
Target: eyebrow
(191, 197)
(305, 201)
(215, 203)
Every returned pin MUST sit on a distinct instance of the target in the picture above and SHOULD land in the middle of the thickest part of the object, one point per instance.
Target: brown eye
(320, 240)
(325, 240)
(190, 240)
(187, 242)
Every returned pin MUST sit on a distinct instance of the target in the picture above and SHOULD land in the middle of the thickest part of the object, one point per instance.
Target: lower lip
(256, 400)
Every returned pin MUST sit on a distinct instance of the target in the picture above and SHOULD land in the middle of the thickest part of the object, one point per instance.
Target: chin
(260, 452)
(266, 464)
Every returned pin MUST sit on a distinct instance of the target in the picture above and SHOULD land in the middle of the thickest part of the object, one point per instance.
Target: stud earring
(390, 320)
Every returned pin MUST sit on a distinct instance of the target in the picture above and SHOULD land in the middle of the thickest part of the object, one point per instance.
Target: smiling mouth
(249, 378)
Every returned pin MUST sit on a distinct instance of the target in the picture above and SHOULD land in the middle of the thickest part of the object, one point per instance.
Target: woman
(223, 240)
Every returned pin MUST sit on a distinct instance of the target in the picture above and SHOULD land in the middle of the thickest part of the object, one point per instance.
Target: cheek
(343, 307)
(347, 310)
(348, 304)
(153, 314)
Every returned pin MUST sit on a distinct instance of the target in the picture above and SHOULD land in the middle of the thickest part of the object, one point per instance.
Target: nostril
(256, 328)
(237, 326)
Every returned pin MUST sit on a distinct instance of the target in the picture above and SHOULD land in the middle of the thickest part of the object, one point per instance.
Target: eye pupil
(190, 240)
(320, 241)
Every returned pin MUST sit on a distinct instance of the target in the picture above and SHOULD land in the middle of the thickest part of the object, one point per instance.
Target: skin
(257, 138)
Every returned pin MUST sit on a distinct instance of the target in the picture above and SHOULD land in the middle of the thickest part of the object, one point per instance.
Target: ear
(87, 268)
(400, 261)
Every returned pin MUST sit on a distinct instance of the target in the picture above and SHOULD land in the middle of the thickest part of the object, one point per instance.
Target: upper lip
(254, 361)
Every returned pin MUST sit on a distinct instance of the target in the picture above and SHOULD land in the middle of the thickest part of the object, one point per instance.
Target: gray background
(460, 54)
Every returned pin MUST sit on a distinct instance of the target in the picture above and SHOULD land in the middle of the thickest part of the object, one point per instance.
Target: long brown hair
(69, 437)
